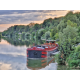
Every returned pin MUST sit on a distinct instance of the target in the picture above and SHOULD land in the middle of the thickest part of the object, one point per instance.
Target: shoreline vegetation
(0, 36)
(66, 30)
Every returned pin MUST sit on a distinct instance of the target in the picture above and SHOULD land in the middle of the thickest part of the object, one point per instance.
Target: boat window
(38, 46)
(47, 41)
(52, 41)
(46, 46)
(43, 46)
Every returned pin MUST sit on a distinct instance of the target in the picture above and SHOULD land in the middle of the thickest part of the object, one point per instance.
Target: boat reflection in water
(39, 63)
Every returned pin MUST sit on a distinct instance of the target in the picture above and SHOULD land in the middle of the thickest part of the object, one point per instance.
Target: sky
(9, 18)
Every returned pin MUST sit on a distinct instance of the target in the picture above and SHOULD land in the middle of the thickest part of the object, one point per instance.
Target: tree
(40, 33)
(27, 35)
(53, 32)
(47, 34)
(61, 26)
(15, 27)
(23, 35)
(72, 17)
(71, 23)
(27, 28)
(56, 36)
(47, 22)
(67, 40)
(74, 58)
(0, 36)
(36, 26)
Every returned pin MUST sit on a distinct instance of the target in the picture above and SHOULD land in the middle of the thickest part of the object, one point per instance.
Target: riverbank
(72, 61)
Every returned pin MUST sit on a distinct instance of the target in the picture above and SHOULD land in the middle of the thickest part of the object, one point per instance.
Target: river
(14, 58)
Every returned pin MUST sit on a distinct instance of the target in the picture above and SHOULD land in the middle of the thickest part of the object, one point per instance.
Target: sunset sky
(9, 18)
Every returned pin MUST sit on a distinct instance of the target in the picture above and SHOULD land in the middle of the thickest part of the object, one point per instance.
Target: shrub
(77, 49)
(74, 58)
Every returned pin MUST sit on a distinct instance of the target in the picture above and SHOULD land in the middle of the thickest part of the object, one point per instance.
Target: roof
(50, 40)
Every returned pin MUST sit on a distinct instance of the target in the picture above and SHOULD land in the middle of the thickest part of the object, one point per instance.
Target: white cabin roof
(50, 40)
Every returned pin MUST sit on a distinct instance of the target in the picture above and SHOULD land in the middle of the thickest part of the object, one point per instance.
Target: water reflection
(14, 58)
(12, 62)
(17, 42)
(0, 39)
(6, 48)
(36, 64)
(4, 66)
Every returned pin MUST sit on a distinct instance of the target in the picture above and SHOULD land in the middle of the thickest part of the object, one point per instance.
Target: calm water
(14, 58)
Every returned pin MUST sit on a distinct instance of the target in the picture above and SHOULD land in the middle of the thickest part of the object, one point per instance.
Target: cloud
(6, 12)
(27, 16)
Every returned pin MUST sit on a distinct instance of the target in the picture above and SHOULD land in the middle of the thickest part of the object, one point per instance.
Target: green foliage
(23, 35)
(0, 33)
(61, 26)
(77, 49)
(74, 63)
(56, 36)
(36, 26)
(27, 35)
(47, 22)
(53, 32)
(72, 17)
(74, 58)
(71, 24)
(0, 36)
(70, 32)
(27, 28)
(40, 33)
(67, 40)
(79, 31)
(47, 34)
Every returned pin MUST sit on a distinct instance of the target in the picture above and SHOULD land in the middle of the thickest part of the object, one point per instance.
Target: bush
(77, 49)
(59, 59)
(74, 58)
(74, 63)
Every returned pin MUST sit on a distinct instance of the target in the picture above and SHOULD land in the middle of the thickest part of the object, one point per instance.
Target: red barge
(43, 51)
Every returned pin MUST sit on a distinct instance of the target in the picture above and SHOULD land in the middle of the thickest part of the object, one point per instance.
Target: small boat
(43, 51)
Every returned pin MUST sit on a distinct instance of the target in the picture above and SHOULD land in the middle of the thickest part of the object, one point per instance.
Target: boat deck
(55, 53)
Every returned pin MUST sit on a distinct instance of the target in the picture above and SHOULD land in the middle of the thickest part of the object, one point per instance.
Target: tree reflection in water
(36, 64)
(17, 42)
(45, 64)
(0, 38)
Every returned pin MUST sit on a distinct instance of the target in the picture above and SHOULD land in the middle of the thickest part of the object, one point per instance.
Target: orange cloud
(6, 26)
(37, 22)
